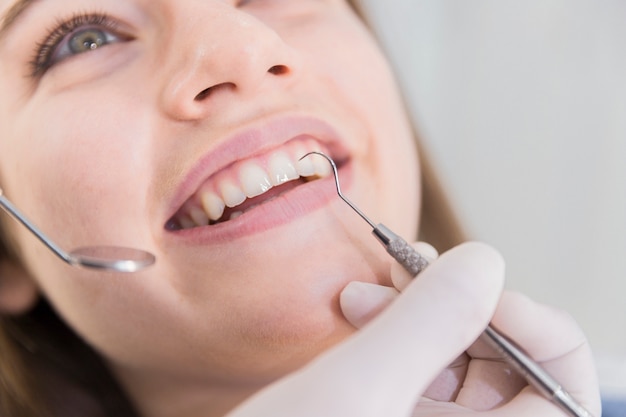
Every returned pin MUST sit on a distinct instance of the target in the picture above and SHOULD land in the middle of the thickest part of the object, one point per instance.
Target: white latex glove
(383, 370)
(479, 380)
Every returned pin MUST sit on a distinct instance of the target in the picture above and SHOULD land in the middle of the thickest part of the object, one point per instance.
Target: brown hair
(47, 370)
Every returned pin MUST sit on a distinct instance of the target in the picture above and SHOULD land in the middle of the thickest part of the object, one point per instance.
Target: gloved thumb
(362, 301)
(439, 315)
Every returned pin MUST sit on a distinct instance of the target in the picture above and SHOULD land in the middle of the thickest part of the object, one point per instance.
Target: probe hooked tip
(336, 175)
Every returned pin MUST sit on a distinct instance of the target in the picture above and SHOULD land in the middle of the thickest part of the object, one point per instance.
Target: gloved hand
(479, 380)
(385, 368)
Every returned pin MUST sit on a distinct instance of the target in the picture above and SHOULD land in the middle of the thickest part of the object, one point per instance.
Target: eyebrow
(13, 14)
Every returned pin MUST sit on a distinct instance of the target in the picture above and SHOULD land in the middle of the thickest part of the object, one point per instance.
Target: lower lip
(285, 208)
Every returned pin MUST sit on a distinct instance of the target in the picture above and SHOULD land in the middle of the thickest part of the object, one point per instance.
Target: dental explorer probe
(111, 258)
(414, 263)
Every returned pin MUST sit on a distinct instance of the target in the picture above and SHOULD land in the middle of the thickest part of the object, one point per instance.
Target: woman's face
(128, 122)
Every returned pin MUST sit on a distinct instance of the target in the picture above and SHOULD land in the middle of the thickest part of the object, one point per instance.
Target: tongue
(263, 198)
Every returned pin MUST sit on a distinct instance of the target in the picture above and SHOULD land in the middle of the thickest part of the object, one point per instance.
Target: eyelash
(43, 58)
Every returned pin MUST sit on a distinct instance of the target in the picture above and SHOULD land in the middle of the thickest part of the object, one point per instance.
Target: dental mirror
(110, 258)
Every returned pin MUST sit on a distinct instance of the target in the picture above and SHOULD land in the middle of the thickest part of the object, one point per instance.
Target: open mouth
(247, 184)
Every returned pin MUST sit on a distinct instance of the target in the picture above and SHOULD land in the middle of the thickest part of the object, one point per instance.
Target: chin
(295, 347)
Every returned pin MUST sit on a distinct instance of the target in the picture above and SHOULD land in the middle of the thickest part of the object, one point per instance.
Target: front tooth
(322, 167)
(282, 169)
(231, 193)
(213, 205)
(254, 179)
(305, 167)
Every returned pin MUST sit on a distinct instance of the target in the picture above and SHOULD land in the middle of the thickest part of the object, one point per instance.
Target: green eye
(83, 40)
(87, 40)
(81, 33)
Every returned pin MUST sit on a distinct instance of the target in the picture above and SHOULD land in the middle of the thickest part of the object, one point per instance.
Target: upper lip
(253, 141)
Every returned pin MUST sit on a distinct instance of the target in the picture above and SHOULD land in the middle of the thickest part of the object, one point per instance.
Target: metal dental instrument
(414, 263)
(111, 258)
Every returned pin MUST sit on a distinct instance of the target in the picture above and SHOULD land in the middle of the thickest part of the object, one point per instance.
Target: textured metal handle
(400, 250)
(406, 256)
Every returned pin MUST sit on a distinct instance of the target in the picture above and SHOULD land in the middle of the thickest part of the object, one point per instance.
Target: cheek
(392, 155)
(79, 161)
(80, 174)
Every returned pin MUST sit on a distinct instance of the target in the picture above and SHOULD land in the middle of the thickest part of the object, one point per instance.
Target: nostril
(203, 94)
(208, 91)
(278, 70)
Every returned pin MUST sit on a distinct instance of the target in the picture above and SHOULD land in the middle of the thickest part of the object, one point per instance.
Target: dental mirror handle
(112, 258)
(17, 215)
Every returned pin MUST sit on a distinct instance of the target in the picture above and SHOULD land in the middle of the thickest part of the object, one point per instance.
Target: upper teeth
(249, 179)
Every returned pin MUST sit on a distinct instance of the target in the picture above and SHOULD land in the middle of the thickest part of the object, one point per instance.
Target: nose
(217, 53)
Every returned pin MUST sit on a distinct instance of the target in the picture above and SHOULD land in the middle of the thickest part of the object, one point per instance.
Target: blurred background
(522, 105)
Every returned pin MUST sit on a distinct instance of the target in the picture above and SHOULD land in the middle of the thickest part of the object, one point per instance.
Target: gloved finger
(438, 316)
(448, 383)
(361, 301)
(490, 380)
(554, 340)
(400, 277)
(489, 384)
